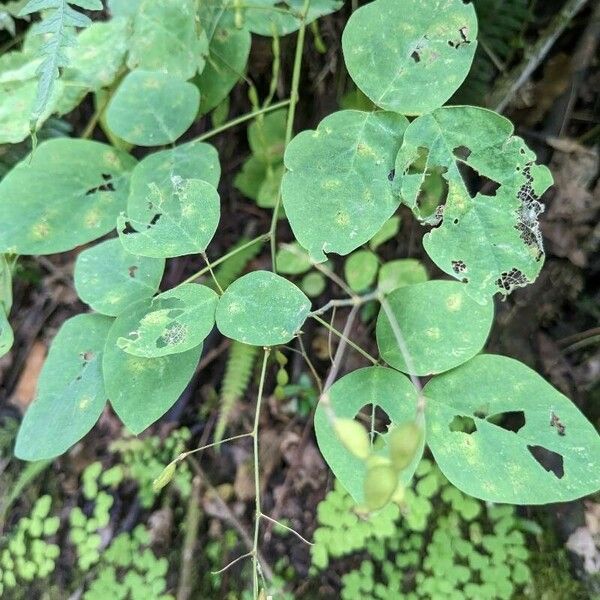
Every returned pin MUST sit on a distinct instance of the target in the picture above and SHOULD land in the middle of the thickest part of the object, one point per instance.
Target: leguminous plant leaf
(140, 389)
(70, 391)
(151, 108)
(109, 278)
(441, 325)
(360, 270)
(6, 333)
(491, 239)
(228, 53)
(177, 320)
(379, 386)
(410, 56)
(262, 309)
(337, 192)
(171, 221)
(69, 193)
(499, 464)
(291, 259)
(165, 38)
(124, 8)
(388, 231)
(398, 273)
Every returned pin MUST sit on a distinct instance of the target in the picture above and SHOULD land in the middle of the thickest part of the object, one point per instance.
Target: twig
(192, 522)
(233, 562)
(278, 523)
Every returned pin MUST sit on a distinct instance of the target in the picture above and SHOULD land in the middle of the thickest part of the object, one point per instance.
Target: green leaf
(360, 270)
(70, 391)
(177, 320)
(441, 325)
(165, 38)
(385, 388)
(266, 137)
(387, 232)
(69, 193)
(398, 273)
(226, 61)
(291, 259)
(313, 284)
(6, 333)
(140, 389)
(94, 62)
(496, 464)
(411, 56)
(491, 239)
(337, 192)
(109, 278)
(151, 108)
(262, 309)
(124, 8)
(171, 222)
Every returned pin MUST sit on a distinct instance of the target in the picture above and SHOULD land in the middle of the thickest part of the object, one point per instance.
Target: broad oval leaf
(70, 391)
(262, 309)
(7, 337)
(379, 386)
(500, 465)
(177, 320)
(491, 239)
(399, 273)
(337, 192)
(140, 389)
(69, 193)
(109, 278)
(151, 108)
(360, 270)
(410, 56)
(174, 221)
(442, 327)
(165, 38)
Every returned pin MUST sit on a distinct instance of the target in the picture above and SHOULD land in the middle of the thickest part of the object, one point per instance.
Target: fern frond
(59, 27)
(240, 363)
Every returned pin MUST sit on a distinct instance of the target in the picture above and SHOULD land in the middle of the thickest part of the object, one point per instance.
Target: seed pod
(281, 358)
(282, 377)
(354, 437)
(404, 441)
(380, 484)
(165, 477)
(279, 393)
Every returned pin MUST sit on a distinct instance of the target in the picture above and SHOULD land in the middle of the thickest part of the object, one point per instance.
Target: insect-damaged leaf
(262, 309)
(385, 388)
(491, 239)
(549, 454)
(109, 278)
(140, 389)
(151, 108)
(337, 192)
(69, 193)
(70, 393)
(166, 38)
(177, 320)
(410, 56)
(442, 327)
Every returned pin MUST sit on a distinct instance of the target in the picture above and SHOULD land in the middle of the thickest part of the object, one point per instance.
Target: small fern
(59, 27)
(238, 371)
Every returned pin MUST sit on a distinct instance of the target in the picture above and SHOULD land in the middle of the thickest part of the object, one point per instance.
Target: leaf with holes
(69, 193)
(140, 389)
(410, 56)
(109, 278)
(490, 239)
(399, 273)
(441, 326)
(228, 53)
(70, 391)
(551, 456)
(166, 38)
(177, 320)
(337, 192)
(171, 221)
(151, 108)
(262, 309)
(377, 386)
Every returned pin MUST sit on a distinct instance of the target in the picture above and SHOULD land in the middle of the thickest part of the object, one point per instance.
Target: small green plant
(26, 555)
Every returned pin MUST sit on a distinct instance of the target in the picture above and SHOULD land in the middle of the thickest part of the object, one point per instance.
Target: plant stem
(354, 301)
(290, 120)
(258, 510)
(207, 269)
(241, 119)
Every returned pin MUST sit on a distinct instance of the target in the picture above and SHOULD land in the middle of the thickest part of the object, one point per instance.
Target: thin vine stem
(290, 120)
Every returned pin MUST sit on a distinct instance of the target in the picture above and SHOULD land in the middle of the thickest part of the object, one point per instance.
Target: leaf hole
(416, 56)
(551, 461)
(392, 175)
(476, 182)
(459, 266)
(132, 271)
(462, 424)
(107, 186)
(510, 420)
(382, 420)
(556, 422)
(461, 152)
(87, 356)
(509, 280)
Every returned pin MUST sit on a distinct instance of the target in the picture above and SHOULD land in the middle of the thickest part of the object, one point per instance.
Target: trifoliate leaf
(109, 278)
(262, 309)
(442, 327)
(410, 56)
